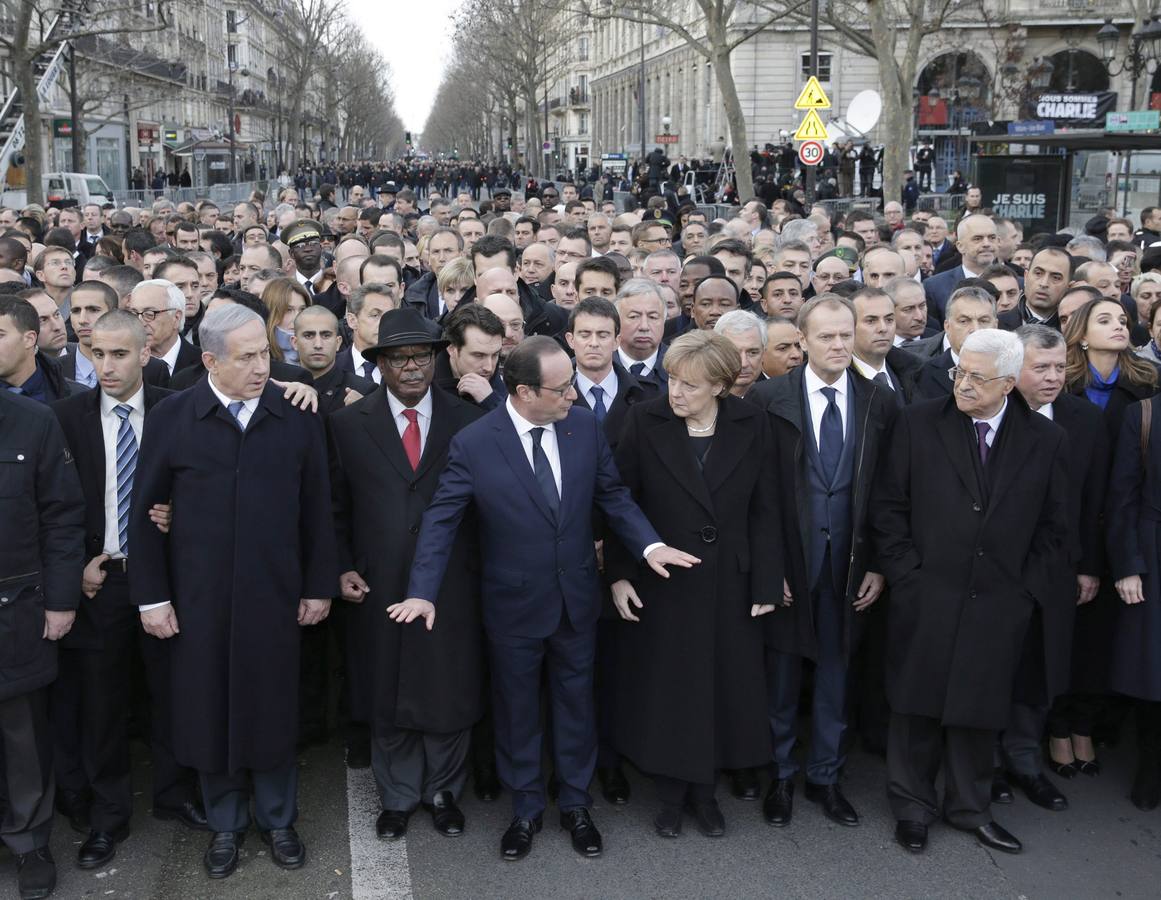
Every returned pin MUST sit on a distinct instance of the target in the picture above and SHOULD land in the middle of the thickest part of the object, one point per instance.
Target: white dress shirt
(423, 408)
(628, 362)
(547, 442)
(868, 373)
(248, 406)
(170, 358)
(85, 373)
(110, 427)
(994, 422)
(1046, 411)
(357, 359)
(585, 385)
(310, 283)
(816, 399)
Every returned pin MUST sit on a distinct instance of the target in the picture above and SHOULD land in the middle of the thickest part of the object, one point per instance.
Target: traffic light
(407, 137)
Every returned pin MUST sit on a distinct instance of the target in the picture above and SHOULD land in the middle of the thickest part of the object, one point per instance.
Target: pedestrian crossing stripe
(811, 128)
(812, 96)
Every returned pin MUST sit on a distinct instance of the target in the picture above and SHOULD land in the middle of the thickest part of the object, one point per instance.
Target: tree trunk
(25, 77)
(736, 119)
(897, 99)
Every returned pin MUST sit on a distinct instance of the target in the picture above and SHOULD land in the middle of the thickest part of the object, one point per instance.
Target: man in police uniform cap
(502, 199)
(41, 558)
(304, 238)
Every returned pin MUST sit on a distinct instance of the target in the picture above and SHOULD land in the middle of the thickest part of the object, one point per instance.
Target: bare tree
(713, 35)
(313, 28)
(33, 31)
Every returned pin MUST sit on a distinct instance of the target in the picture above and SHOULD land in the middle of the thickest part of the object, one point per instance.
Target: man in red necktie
(421, 692)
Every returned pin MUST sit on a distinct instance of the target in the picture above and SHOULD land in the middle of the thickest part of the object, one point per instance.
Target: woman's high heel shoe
(1061, 770)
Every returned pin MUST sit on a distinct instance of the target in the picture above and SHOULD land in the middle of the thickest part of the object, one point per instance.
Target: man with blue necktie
(534, 470)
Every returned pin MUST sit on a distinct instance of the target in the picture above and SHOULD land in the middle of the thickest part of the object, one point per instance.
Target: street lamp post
(1144, 48)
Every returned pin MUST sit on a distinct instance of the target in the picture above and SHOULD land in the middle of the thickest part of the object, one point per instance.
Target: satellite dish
(862, 115)
(864, 111)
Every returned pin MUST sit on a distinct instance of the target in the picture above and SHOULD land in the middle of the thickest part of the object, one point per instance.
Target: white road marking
(379, 869)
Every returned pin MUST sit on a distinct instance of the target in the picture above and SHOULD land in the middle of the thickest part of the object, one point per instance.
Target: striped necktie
(126, 467)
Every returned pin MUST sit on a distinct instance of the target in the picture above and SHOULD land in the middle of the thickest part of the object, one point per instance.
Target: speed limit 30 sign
(810, 153)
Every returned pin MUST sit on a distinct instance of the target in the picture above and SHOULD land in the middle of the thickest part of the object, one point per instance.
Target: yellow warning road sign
(811, 128)
(812, 96)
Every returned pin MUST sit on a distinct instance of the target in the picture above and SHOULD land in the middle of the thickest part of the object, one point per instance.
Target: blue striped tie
(235, 409)
(126, 466)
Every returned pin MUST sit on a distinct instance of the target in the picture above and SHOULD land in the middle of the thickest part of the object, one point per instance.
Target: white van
(64, 189)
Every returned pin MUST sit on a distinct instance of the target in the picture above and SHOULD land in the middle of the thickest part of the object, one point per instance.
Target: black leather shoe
(359, 752)
(392, 824)
(286, 847)
(1059, 769)
(221, 858)
(1146, 793)
(1001, 790)
(1089, 767)
(190, 813)
(834, 804)
(778, 807)
(911, 836)
(585, 837)
(667, 822)
(708, 818)
(1042, 792)
(445, 815)
(100, 847)
(614, 785)
(744, 784)
(586, 840)
(486, 784)
(74, 806)
(517, 840)
(36, 874)
(998, 838)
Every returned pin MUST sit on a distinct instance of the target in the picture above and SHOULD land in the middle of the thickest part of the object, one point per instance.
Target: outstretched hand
(668, 556)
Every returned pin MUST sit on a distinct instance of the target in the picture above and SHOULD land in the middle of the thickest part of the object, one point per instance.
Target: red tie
(411, 437)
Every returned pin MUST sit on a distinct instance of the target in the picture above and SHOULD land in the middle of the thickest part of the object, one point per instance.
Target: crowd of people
(653, 482)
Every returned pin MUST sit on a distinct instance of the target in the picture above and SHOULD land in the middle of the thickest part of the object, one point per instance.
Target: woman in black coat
(1134, 546)
(691, 696)
(1102, 368)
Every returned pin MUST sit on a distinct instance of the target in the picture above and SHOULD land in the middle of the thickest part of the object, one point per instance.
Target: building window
(231, 21)
(823, 66)
(232, 55)
(583, 49)
(582, 123)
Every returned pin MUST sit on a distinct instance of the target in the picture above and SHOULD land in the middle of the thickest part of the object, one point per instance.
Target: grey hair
(359, 296)
(969, 293)
(638, 287)
(1093, 245)
(174, 298)
(786, 244)
(282, 209)
(1134, 287)
(1003, 345)
(220, 322)
(551, 252)
(658, 254)
(1041, 337)
(739, 321)
(798, 230)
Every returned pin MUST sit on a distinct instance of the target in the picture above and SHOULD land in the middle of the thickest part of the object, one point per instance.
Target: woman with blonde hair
(454, 280)
(690, 647)
(285, 298)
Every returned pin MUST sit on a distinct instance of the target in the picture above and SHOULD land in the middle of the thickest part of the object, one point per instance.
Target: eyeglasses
(148, 315)
(559, 391)
(955, 373)
(398, 361)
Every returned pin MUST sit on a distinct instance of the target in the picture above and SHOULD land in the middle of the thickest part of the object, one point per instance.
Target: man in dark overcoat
(420, 690)
(969, 517)
(249, 557)
(1045, 669)
(41, 557)
(825, 472)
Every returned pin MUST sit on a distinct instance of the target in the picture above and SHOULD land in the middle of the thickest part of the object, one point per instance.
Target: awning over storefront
(1080, 139)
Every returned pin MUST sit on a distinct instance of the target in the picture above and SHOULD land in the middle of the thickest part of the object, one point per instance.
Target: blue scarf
(1100, 390)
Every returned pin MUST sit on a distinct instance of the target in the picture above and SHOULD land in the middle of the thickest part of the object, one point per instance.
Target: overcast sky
(414, 37)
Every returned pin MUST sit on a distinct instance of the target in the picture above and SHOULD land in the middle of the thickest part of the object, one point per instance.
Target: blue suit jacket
(536, 565)
(939, 289)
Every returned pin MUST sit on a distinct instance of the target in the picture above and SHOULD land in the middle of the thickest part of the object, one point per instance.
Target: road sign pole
(810, 170)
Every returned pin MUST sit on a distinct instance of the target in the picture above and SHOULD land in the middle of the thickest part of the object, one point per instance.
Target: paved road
(1102, 847)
